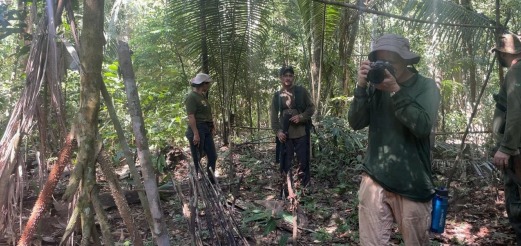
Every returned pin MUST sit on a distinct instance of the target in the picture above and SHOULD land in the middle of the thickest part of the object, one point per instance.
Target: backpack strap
(299, 99)
(279, 103)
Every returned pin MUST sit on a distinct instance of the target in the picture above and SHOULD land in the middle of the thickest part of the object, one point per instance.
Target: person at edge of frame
(290, 112)
(507, 126)
(201, 128)
(397, 184)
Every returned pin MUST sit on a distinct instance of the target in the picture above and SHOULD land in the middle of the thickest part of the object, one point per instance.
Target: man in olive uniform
(507, 126)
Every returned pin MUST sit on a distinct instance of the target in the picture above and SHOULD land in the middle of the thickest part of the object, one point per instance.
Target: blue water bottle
(440, 203)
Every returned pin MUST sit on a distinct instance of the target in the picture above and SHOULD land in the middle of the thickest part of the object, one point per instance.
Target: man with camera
(399, 106)
(507, 127)
(291, 111)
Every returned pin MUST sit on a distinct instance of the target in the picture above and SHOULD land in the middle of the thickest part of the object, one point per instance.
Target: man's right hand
(389, 84)
(364, 68)
(197, 139)
(281, 136)
(501, 160)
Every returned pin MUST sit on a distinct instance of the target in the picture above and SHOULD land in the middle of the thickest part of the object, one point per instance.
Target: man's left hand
(501, 159)
(389, 84)
(295, 118)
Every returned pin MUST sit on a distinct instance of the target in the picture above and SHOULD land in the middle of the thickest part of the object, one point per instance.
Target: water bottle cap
(442, 192)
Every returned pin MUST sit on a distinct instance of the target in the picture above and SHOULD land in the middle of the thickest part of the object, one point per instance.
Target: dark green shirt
(507, 116)
(294, 101)
(198, 105)
(398, 154)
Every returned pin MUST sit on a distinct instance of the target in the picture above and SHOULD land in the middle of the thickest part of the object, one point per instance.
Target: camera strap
(294, 99)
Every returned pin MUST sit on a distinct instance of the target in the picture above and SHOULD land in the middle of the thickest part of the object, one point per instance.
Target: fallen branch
(293, 205)
(187, 212)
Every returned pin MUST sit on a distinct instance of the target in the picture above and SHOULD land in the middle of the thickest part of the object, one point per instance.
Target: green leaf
(287, 217)
(257, 216)
(110, 75)
(270, 226)
(113, 67)
(283, 239)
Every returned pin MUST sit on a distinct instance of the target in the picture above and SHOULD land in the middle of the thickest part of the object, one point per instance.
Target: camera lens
(376, 75)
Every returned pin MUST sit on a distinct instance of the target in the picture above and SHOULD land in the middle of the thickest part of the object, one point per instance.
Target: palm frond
(450, 23)
(439, 11)
(228, 28)
(218, 37)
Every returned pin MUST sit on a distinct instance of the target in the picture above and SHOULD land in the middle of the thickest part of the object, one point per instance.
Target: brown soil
(327, 213)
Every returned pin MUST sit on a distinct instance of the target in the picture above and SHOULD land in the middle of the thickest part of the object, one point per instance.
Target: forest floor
(327, 212)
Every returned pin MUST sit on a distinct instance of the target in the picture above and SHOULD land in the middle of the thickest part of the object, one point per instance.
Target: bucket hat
(200, 78)
(396, 44)
(509, 43)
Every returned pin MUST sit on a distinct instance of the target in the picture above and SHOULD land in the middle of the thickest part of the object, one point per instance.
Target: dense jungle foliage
(242, 44)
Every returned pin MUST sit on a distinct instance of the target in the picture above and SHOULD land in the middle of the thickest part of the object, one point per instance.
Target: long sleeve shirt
(295, 101)
(507, 116)
(398, 154)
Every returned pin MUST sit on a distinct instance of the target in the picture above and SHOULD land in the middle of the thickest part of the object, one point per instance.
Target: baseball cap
(283, 70)
(200, 78)
(396, 44)
(509, 43)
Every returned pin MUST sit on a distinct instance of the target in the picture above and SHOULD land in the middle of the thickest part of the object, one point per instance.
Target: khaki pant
(378, 209)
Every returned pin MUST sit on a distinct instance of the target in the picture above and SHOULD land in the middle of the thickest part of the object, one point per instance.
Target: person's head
(396, 50)
(201, 81)
(508, 49)
(287, 76)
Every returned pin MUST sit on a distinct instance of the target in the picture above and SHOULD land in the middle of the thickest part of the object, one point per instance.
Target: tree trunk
(349, 30)
(314, 31)
(136, 177)
(160, 231)
(51, 73)
(467, 47)
(499, 30)
(317, 42)
(91, 53)
(119, 197)
(204, 46)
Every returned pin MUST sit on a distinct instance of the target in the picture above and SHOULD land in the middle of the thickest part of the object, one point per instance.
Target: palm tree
(219, 37)
(25, 111)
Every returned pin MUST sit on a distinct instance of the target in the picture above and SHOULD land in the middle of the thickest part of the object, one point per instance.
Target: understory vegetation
(92, 117)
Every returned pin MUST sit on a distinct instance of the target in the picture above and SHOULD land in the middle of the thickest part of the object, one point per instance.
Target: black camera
(377, 72)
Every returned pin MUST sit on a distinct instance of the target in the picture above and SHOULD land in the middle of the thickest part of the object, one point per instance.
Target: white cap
(200, 78)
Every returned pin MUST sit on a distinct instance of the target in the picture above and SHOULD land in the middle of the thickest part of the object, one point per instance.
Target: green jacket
(398, 155)
(507, 116)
